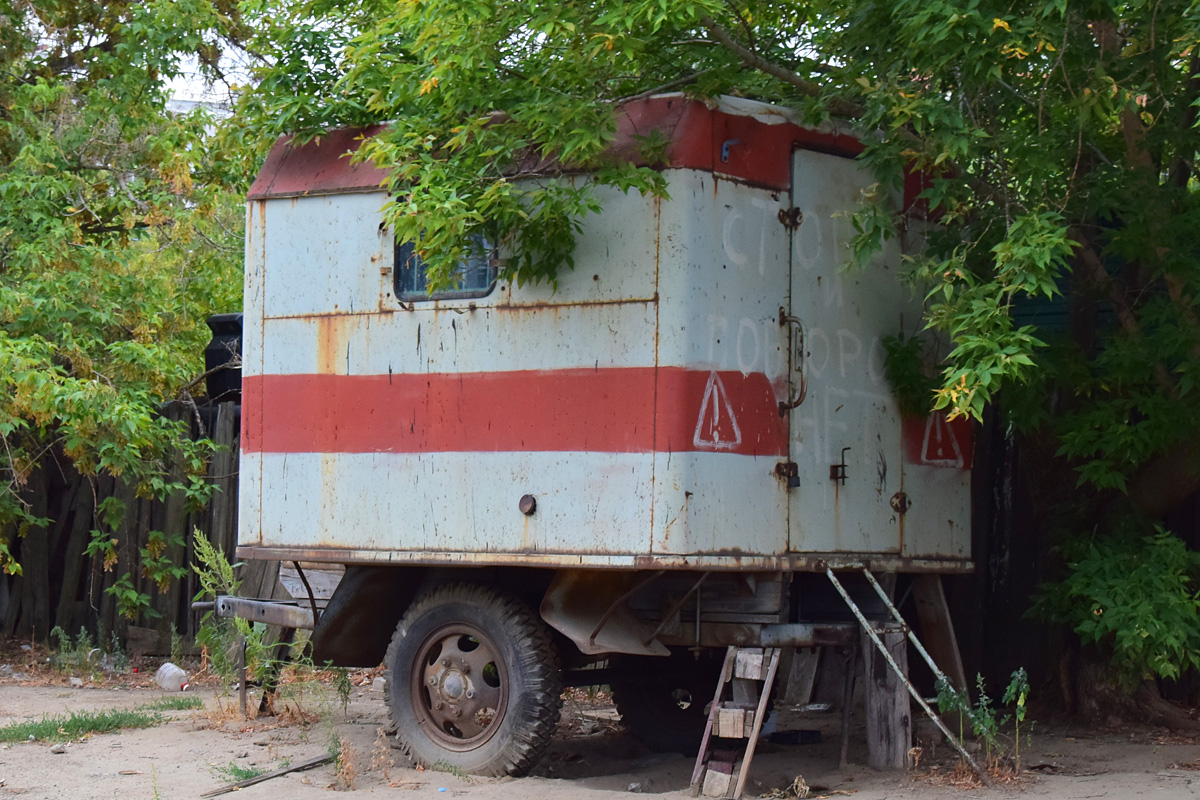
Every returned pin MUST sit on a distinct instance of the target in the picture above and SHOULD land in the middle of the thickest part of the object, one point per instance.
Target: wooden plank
(716, 784)
(74, 560)
(938, 629)
(759, 716)
(731, 723)
(801, 676)
(323, 578)
(726, 674)
(35, 562)
(889, 719)
(750, 664)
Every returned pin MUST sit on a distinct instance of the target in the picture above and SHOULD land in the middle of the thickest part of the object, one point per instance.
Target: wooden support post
(889, 720)
(937, 627)
(801, 675)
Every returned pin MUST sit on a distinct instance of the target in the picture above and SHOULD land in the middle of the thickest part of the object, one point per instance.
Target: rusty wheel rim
(459, 687)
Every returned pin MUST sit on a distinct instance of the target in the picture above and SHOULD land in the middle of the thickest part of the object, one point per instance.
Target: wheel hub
(459, 687)
(452, 686)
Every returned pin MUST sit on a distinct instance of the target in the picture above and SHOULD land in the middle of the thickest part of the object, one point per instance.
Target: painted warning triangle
(717, 427)
(940, 447)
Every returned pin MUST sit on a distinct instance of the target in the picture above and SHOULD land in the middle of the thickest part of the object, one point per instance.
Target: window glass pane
(474, 276)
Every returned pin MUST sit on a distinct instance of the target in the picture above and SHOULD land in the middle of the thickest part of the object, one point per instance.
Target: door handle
(794, 400)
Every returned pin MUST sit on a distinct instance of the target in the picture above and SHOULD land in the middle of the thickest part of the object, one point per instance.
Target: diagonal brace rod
(912, 637)
(870, 631)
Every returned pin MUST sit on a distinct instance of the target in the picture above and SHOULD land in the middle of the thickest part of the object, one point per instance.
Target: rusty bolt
(457, 712)
(432, 680)
(445, 662)
(437, 706)
(900, 502)
(466, 668)
(528, 504)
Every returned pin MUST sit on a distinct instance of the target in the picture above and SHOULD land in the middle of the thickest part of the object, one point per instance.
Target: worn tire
(664, 701)
(473, 682)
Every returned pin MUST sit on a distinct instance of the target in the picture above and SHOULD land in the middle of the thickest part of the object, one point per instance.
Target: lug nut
(457, 713)
(466, 668)
(445, 662)
(432, 680)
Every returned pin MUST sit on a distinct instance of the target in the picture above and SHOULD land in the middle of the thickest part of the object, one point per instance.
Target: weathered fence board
(64, 586)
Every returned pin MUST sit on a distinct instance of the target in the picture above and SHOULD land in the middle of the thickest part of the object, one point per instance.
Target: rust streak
(576, 304)
(331, 344)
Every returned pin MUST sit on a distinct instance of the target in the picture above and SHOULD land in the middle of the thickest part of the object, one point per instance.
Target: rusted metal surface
(808, 635)
(588, 607)
(636, 404)
(322, 166)
(269, 612)
(797, 562)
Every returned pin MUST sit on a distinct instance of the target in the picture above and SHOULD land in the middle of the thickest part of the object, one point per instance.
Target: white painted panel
(324, 254)
(615, 252)
(719, 503)
(939, 521)
(250, 498)
(484, 340)
(723, 278)
(458, 501)
(845, 313)
(250, 466)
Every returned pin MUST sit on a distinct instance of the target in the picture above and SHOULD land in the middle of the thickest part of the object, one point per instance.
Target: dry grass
(382, 758)
(960, 775)
(347, 769)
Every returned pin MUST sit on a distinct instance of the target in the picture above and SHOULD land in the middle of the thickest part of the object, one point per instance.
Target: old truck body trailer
(656, 456)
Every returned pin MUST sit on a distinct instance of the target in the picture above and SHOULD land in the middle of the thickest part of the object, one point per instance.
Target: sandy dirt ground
(195, 751)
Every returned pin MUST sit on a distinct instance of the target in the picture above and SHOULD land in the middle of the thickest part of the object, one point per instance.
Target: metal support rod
(912, 690)
(241, 654)
(912, 637)
(312, 601)
(615, 603)
(666, 619)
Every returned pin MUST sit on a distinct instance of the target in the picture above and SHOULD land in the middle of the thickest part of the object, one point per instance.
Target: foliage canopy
(118, 235)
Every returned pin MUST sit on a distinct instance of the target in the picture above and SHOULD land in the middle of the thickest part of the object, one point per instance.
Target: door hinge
(791, 218)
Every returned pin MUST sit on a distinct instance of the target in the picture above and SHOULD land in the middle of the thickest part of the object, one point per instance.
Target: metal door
(846, 430)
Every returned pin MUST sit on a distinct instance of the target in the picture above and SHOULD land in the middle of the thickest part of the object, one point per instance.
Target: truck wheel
(473, 682)
(664, 702)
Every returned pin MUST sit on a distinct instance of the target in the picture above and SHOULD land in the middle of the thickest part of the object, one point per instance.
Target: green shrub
(1135, 596)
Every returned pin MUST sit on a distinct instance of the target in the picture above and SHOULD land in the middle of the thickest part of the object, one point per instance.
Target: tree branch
(1090, 260)
(665, 87)
(837, 107)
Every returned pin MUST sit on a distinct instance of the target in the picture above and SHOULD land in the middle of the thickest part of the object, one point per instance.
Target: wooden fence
(61, 585)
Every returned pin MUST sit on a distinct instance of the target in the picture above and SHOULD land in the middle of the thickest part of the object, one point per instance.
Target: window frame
(404, 295)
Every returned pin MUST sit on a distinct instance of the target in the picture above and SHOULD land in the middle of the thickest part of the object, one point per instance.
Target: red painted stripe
(610, 410)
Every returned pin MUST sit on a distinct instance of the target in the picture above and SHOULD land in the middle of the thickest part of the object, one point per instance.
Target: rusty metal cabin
(649, 455)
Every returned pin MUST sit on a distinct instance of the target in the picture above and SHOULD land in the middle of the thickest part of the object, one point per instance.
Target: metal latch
(837, 472)
(788, 472)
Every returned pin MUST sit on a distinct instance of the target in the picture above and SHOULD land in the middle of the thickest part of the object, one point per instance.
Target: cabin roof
(741, 139)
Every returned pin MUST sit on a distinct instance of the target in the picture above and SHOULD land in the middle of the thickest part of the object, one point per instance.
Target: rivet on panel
(528, 504)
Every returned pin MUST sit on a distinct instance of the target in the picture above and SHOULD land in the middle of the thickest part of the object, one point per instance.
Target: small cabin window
(475, 276)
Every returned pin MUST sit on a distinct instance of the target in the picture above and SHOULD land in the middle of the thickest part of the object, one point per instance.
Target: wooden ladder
(749, 674)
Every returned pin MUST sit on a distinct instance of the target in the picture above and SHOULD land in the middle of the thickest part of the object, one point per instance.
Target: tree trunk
(1099, 699)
